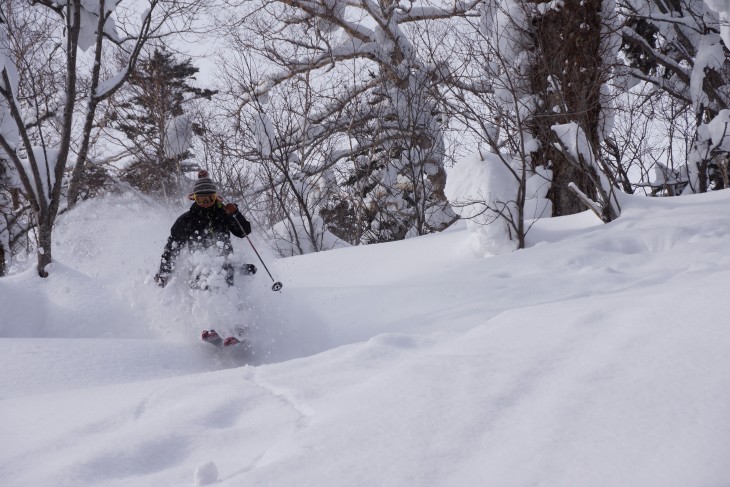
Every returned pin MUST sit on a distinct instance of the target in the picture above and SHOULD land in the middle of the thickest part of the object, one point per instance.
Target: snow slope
(595, 358)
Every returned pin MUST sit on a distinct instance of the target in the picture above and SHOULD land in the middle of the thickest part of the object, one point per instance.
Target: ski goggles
(206, 198)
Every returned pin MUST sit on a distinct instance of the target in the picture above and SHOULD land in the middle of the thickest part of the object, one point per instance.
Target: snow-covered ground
(596, 357)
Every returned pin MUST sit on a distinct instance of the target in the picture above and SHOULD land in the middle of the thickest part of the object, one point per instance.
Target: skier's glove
(231, 208)
(161, 280)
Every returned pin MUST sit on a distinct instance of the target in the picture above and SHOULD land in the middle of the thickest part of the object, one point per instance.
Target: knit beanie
(204, 185)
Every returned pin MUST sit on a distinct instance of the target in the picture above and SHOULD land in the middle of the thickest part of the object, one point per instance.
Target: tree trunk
(45, 229)
(567, 77)
(2, 260)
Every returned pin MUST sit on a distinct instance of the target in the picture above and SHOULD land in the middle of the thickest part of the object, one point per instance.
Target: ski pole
(277, 285)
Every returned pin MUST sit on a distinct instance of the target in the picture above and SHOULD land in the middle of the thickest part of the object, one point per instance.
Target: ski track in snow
(594, 357)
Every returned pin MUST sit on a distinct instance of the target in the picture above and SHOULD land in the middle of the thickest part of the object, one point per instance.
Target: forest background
(336, 123)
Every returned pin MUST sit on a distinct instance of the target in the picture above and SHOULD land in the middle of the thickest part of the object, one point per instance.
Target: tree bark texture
(567, 76)
(2, 260)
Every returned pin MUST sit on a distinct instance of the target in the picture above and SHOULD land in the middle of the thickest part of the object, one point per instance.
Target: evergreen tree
(154, 122)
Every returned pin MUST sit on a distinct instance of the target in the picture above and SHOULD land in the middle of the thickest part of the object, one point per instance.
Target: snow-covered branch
(300, 66)
(460, 8)
(631, 35)
(108, 87)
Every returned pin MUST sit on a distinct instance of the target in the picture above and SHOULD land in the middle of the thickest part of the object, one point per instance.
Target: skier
(208, 224)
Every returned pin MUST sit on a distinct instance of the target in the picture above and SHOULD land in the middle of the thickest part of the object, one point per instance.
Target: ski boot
(211, 336)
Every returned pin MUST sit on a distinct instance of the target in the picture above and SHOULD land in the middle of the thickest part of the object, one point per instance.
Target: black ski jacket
(202, 228)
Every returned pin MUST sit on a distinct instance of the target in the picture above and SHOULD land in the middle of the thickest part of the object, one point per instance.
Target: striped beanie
(204, 185)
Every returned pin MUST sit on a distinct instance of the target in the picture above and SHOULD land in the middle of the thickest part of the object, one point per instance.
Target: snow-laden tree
(499, 188)
(16, 220)
(282, 185)
(530, 81)
(51, 86)
(12, 214)
(380, 103)
(550, 68)
(678, 47)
